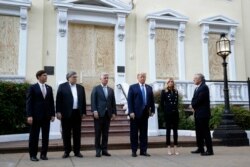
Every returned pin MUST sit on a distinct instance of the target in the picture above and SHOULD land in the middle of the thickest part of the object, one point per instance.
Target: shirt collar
(72, 84)
(104, 86)
(199, 85)
(40, 84)
(141, 84)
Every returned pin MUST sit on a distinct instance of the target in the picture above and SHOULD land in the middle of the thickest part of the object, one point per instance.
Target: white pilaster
(23, 37)
(205, 56)
(181, 53)
(231, 60)
(61, 45)
(151, 50)
(120, 60)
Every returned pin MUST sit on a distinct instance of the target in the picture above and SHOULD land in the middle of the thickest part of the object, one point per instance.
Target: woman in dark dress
(169, 104)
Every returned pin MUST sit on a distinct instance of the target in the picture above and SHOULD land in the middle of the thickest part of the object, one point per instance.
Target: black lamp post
(228, 131)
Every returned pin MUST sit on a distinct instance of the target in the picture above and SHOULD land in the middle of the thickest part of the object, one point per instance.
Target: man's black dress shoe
(79, 155)
(98, 154)
(207, 153)
(34, 159)
(197, 151)
(105, 153)
(134, 154)
(43, 157)
(65, 155)
(145, 154)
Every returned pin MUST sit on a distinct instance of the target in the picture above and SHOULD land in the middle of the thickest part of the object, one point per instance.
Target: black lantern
(228, 131)
(223, 46)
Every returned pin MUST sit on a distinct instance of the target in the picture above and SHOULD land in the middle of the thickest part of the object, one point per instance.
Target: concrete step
(113, 127)
(118, 127)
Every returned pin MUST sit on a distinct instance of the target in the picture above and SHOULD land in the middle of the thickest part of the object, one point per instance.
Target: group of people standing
(71, 109)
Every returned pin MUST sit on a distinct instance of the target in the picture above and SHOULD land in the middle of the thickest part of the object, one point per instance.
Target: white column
(61, 61)
(23, 41)
(61, 45)
(231, 60)
(205, 31)
(151, 51)
(120, 60)
(181, 53)
(153, 127)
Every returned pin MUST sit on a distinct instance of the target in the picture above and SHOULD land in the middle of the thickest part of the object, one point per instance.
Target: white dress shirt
(75, 97)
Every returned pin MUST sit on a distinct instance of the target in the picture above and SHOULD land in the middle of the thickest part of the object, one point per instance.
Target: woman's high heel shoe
(169, 150)
(175, 151)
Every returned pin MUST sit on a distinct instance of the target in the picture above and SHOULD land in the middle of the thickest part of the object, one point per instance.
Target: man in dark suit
(70, 109)
(201, 106)
(141, 106)
(40, 111)
(103, 106)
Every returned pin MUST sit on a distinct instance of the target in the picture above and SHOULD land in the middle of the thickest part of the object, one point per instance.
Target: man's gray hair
(104, 74)
(201, 76)
(70, 74)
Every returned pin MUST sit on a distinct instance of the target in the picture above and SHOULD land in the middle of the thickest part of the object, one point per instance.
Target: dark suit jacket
(201, 102)
(135, 100)
(37, 106)
(64, 100)
(99, 102)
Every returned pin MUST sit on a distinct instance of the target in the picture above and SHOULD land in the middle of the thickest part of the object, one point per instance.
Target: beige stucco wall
(35, 40)
(42, 34)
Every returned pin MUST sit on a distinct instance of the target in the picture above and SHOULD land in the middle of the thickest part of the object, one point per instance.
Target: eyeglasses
(106, 78)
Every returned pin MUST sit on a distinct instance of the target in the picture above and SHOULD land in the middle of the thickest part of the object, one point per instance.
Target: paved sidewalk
(115, 143)
(224, 157)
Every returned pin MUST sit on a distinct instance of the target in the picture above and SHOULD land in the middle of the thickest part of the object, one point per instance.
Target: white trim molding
(218, 24)
(168, 19)
(95, 12)
(19, 8)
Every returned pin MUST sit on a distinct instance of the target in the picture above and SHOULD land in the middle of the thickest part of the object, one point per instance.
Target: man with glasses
(70, 109)
(103, 106)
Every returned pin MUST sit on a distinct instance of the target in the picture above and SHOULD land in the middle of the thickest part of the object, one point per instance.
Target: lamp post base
(230, 133)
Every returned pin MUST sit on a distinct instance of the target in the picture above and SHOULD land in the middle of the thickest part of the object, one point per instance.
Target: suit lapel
(147, 91)
(69, 89)
(196, 91)
(77, 91)
(109, 91)
(39, 89)
(101, 91)
(139, 89)
(47, 91)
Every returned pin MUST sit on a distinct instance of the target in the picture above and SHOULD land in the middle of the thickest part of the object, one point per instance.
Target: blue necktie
(143, 95)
